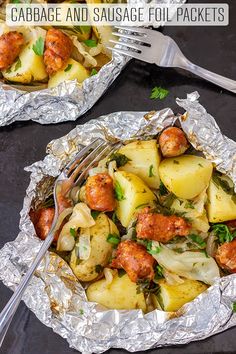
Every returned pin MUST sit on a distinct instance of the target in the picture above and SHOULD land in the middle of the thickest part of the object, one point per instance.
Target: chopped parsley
(81, 311)
(73, 232)
(17, 65)
(219, 182)
(159, 272)
(95, 214)
(69, 66)
(121, 272)
(176, 162)
(120, 159)
(119, 194)
(145, 286)
(223, 233)
(189, 204)
(98, 268)
(158, 93)
(150, 172)
(163, 190)
(93, 72)
(15, 1)
(198, 240)
(38, 47)
(114, 239)
(151, 250)
(234, 306)
(90, 43)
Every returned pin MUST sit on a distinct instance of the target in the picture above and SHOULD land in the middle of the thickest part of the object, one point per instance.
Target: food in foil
(46, 57)
(152, 226)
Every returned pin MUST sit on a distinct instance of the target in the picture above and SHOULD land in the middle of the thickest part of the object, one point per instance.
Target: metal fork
(72, 175)
(153, 47)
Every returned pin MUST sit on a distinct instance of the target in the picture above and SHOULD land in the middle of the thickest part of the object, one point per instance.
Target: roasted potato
(144, 161)
(120, 294)
(101, 250)
(73, 70)
(29, 67)
(186, 176)
(172, 297)
(134, 194)
(221, 206)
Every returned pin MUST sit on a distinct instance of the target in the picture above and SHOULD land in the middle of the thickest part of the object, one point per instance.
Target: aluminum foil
(69, 100)
(54, 294)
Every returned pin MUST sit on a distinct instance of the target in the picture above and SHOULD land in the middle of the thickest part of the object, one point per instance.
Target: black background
(21, 144)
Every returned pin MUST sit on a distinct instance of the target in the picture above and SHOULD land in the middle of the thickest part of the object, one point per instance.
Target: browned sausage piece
(100, 192)
(135, 260)
(226, 256)
(58, 50)
(173, 142)
(159, 227)
(10, 47)
(42, 220)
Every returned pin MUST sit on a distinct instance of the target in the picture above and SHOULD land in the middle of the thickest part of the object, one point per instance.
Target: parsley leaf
(159, 272)
(219, 182)
(69, 66)
(120, 159)
(73, 232)
(38, 47)
(93, 72)
(90, 43)
(158, 93)
(223, 233)
(114, 239)
(234, 306)
(15, 1)
(95, 214)
(163, 190)
(153, 251)
(176, 162)
(17, 65)
(98, 268)
(198, 240)
(189, 204)
(150, 172)
(119, 194)
(81, 311)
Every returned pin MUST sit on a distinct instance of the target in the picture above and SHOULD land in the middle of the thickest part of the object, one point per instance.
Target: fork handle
(216, 79)
(9, 310)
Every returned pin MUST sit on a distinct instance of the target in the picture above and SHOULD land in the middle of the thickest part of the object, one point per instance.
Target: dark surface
(23, 143)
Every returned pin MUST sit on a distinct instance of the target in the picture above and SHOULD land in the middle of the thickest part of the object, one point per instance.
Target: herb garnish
(93, 72)
(98, 268)
(176, 162)
(189, 204)
(69, 66)
(223, 233)
(90, 43)
(73, 232)
(219, 182)
(119, 194)
(151, 250)
(120, 159)
(38, 47)
(95, 214)
(158, 93)
(159, 272)
(145, 286)
(17, 65)
(121, 272)
(163, 190)
(81, 311)
(114, 239)
(198, 240)
(234, 306)
(150, 172)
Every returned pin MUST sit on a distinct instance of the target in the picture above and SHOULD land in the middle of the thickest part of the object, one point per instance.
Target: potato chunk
(220, 207)
(73, 70)
(134, 193)
(120, 294)
(28, 68)
(144, 161)
(186, 176)
(101, 250)
(172, 297)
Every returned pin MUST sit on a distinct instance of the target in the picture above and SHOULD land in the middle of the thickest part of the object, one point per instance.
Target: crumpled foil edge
(55, 296)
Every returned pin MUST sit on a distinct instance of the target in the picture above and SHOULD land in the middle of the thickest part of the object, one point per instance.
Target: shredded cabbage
(191, 265)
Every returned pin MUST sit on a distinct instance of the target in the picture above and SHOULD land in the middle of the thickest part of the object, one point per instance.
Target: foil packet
(68, 101)
(55, 295)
